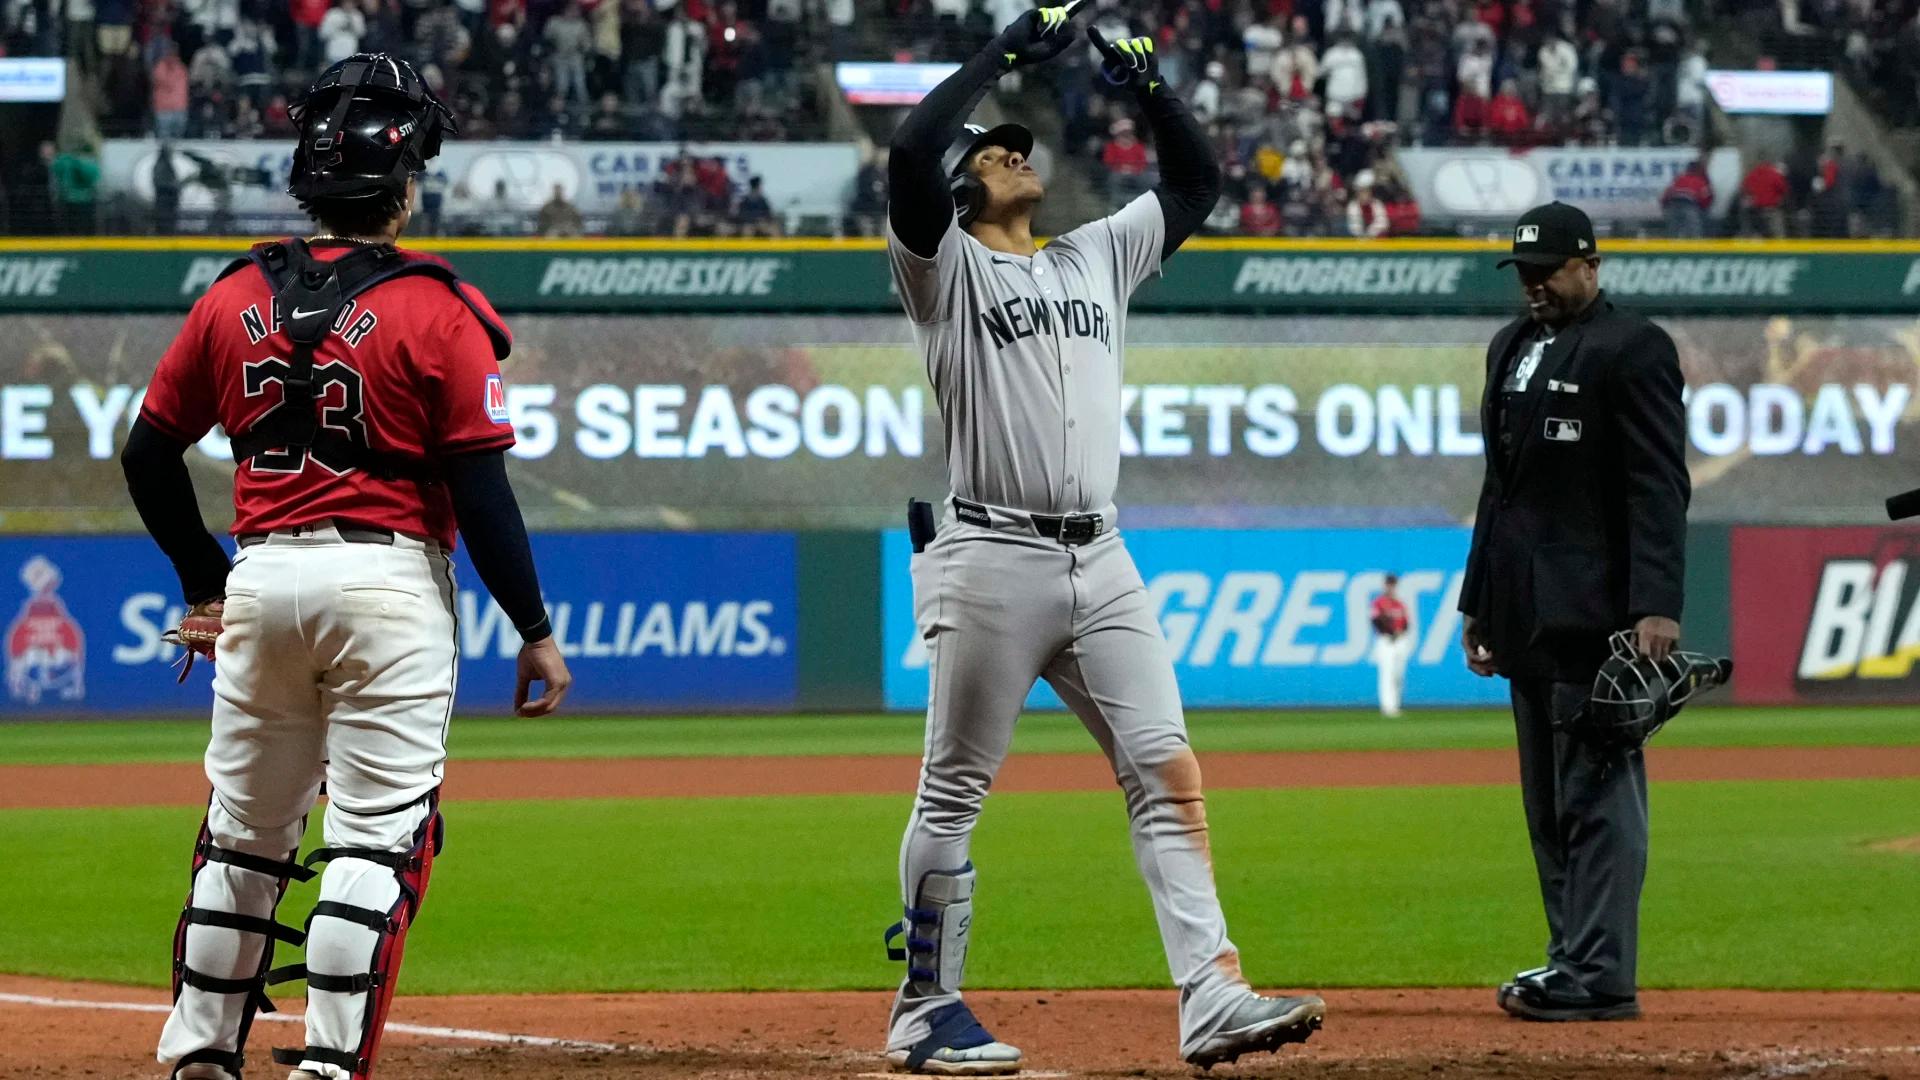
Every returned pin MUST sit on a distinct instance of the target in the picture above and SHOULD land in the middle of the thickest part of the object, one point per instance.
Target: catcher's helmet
(367, 124)
(1634, 696)
(969, 194)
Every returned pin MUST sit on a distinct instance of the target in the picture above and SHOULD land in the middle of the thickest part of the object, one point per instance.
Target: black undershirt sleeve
(496, 538)
(1189, 173)
(919, 201)
(162, 489)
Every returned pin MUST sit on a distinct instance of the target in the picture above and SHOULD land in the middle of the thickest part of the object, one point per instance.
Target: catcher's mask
(369, 122)
(1634, 696)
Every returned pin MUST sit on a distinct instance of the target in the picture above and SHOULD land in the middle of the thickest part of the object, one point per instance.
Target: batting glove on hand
(1038, 35)
(1128, 62)
(198, 633)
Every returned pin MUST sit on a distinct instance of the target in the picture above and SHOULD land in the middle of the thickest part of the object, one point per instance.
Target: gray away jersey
(1025, 356)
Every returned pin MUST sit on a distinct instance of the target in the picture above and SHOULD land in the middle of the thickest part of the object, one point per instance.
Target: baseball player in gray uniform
(1026, 576)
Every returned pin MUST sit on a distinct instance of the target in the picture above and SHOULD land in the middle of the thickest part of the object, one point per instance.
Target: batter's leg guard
(936, 926)
(219, 878)
(411, 869)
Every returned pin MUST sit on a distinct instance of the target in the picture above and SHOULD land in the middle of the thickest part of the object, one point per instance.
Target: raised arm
(919, 204)
(1189, 173)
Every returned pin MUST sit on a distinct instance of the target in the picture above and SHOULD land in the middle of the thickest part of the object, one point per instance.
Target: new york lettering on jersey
(410, 368)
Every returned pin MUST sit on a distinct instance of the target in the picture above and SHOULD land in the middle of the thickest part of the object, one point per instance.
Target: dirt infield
(615, 778)
(1382, 1034)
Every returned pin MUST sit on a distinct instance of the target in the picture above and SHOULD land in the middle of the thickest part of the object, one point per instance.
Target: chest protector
(309, 294)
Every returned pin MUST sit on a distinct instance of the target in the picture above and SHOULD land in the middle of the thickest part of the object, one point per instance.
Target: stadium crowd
(1308, 101)
(574, 69)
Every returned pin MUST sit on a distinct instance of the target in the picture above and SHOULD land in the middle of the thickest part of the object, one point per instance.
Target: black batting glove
(1038, 35)
(1129, 62)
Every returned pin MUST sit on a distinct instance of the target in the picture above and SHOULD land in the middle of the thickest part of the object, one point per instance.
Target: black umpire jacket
(1586, 531)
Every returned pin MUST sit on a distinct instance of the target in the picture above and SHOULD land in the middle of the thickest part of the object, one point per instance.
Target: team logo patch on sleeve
(496, 400)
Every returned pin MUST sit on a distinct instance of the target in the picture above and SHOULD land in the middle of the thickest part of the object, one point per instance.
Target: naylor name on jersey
(352, 324)
(1024, 317)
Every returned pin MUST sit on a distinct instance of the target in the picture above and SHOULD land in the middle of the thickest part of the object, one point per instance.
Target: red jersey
(409, 369)
(1388, 611)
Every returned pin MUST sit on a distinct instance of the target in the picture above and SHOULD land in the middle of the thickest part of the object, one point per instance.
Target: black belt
(1070, 529)
(352, 534)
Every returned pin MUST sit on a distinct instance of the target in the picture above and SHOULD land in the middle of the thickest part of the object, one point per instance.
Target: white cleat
(1256, 1025)
(990, 1059)
(956, 1045)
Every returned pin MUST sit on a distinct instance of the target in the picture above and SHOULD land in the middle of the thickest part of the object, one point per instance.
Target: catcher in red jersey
(360, 385)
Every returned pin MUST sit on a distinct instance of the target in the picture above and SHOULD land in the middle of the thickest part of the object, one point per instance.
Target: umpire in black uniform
(1581, 532)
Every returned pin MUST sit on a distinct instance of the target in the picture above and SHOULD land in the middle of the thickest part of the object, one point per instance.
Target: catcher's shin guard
(936, 928)
(251, 988)
(411, 870)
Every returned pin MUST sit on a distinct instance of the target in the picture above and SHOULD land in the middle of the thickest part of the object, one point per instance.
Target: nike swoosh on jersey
(299, 314)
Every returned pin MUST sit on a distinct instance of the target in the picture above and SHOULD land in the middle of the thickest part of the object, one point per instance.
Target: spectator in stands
(1205, 99)
(433, 201)
(1592, 123)
(609, 119)
(1366, 214)
(1507, 116)
(683, 205)
(1475, 70)
(728, 39)
(568, 37)
(1386, 60)
(629, 217)
(500, 216)
(1559, 65)
(1870, 198)
(866, 214)
(1631, 99)
(752, 214)
(75, 176)
(1125, 160)
(166, 193)
(1296, 68)
(1345, 68)
(685, 60)
(1763, 201)
(560, 218)
(170, 94)
(642, 39)
(341, 30)
(1258, 217)
(1469, 116)
(1829, 205)
(1687, 200)
(1262, 42)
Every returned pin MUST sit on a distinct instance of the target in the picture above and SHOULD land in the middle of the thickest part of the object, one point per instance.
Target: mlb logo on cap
(1527, 234)
(496, 400)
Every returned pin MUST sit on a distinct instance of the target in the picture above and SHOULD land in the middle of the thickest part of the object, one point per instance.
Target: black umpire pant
(1587, 817)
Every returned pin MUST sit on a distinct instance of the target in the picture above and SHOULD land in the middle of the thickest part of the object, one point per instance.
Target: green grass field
(1751, 885)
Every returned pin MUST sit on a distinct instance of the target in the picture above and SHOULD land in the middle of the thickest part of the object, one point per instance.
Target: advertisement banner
(648, 622)
(1611, 183)
(1826, 615)
(1261, 618)
(788, 423)
(1435, 280)
(247, 180)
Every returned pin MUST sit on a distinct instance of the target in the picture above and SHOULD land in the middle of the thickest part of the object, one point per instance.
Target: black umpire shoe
(1551, 995)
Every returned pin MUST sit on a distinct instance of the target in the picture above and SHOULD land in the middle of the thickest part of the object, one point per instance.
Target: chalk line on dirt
(422, 1030)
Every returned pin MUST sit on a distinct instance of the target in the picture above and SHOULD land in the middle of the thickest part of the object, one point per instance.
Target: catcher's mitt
(197, 633)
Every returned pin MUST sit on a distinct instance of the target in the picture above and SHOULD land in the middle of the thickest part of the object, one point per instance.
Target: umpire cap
(974, 138)
(1550, 235)
(366, 125)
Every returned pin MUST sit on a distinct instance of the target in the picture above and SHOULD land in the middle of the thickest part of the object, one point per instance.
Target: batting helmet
(1634, 696)
(969, 194)
(366, 125)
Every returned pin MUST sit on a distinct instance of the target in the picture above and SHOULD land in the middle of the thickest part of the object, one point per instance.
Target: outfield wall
(718, 497)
